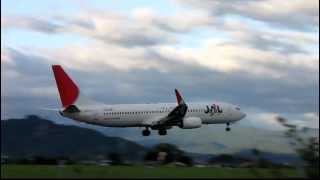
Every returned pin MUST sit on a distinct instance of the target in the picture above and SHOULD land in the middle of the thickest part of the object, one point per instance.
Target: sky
(262, 55)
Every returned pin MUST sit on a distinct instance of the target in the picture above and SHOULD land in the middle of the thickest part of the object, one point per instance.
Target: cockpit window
(237, 108)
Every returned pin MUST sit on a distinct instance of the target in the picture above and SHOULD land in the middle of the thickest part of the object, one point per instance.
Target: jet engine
(191, 123)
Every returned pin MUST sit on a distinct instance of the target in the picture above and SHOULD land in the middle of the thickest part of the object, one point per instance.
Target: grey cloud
(197, 83)
(298, 14)
(124, 33)
(272, 43)
(134, 40)
(182, 23)
(26, 63)
(118, 30)
(158, 30)
(87, 24)
(135, 32)
(31, 23)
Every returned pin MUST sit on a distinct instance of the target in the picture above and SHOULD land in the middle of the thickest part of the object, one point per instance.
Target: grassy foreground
(92, 171)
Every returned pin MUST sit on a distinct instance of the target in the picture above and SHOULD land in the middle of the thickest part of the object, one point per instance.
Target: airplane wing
(175, 116)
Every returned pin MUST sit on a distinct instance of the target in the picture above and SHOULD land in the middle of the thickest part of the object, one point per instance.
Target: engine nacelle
(191, 122)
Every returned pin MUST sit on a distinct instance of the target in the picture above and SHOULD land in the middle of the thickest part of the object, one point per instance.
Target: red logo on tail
(68, 90)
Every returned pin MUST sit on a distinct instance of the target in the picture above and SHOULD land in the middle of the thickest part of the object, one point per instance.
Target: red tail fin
(179, 97)
(68, 90)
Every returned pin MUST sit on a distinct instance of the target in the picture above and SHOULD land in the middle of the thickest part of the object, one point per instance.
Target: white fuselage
(143, 115)
(160, 116)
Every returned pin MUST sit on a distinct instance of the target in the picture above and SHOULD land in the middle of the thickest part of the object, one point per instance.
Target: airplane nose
(242, 115)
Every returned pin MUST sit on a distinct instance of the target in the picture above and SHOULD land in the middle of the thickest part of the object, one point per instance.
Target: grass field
(91, 171)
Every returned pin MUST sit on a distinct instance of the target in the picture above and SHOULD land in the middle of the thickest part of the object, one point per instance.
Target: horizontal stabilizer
(49, 109)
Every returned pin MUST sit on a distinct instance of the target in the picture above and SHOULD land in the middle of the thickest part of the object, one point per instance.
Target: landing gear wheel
(146, 132)
(162, 132)
(228, 128)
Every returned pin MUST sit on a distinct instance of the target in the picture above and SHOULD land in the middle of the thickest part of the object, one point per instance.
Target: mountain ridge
(37, 136)
(20, 137)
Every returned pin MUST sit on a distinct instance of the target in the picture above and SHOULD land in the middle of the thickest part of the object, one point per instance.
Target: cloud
(283, 41)
(311, 119)
(230, 57)
(114, 28)
(153, 82)
(265, 120)
(107, 81)
(271, 54)
(110, 28)
(30, 23)
(258, 118)
(297, 14)
(308, 119)
(140, 56)
(181, 22)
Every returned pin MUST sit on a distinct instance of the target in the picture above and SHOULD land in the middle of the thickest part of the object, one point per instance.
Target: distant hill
(35, 136)
(215, 140)
(281, 158)
(273, 157)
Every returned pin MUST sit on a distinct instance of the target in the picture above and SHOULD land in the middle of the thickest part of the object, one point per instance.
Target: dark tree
(306, 148)
(44, 160)
(186, 160)
(115, 158)
(223, 158)
(172, 154)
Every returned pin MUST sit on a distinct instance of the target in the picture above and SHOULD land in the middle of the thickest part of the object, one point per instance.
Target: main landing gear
(162, 132)
(228, 128)
(146, 132)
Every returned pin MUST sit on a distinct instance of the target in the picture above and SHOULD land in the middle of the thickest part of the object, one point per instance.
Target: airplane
(158, 116)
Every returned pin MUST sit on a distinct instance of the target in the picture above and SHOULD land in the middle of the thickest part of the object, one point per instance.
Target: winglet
(179, 98)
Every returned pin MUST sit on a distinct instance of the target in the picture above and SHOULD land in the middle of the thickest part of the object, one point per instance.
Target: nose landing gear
(162, 132)
(228, 128)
